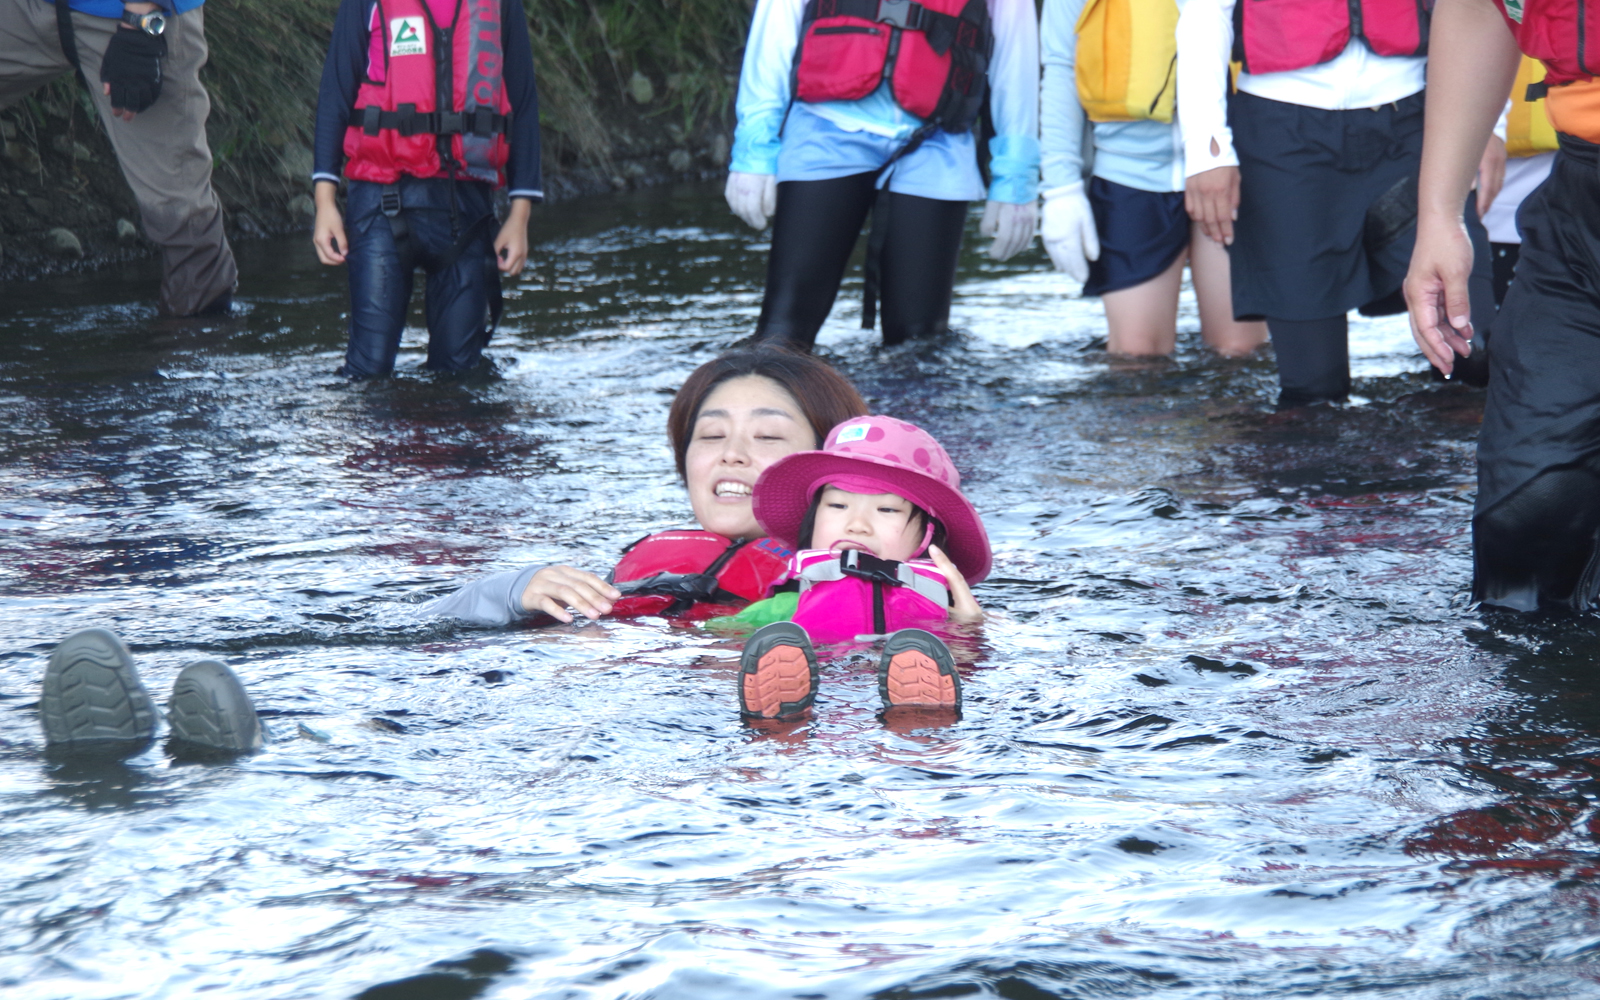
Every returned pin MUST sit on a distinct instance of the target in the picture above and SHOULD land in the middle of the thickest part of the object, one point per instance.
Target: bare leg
(1209, 268)
(1143, 320)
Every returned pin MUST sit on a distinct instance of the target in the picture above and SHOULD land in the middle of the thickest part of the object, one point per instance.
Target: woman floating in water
(887, 544)
(734, 416)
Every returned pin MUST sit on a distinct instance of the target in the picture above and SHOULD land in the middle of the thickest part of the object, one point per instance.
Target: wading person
(1308, 173)
(141, 63)
(851, 108)
(428, 106)
(1538, 506)
(734, 416)
(1125, 233)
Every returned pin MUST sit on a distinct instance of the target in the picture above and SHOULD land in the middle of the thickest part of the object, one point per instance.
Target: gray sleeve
(493, 600)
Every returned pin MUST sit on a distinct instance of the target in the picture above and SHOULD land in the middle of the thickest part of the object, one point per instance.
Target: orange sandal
(917, 670)
(777, 672)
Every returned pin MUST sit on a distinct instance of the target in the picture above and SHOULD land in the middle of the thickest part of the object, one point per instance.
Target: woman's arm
(506, 597)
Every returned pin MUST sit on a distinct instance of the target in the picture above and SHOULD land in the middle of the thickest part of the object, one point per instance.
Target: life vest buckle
(901, 14)
(865, 565)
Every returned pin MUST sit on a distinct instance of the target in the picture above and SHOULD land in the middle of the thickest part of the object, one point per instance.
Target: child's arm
(341, 75)
(963, 606)
(524, 183)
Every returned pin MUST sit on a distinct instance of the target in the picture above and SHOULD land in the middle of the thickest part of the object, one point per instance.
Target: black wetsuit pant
(1536, 533)
(813, 233)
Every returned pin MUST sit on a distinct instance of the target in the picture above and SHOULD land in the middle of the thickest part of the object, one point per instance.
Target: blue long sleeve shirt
(347, 65)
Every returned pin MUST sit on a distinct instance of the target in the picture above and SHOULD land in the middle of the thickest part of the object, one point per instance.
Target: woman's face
(744, 425)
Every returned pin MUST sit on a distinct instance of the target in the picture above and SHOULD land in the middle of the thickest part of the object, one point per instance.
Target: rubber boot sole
(93, 694)
(916, 670)
(777, 672)
(210, 708)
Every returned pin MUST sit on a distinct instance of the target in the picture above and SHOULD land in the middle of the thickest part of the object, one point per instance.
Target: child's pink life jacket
(851, 593)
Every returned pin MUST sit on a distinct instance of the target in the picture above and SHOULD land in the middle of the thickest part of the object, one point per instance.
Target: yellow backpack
(1528, 128)
(1128, 59)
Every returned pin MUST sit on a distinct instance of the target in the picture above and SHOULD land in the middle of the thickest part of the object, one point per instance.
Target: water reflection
(1231, 730)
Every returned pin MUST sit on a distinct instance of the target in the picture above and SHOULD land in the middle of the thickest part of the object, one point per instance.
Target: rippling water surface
(1234, 730)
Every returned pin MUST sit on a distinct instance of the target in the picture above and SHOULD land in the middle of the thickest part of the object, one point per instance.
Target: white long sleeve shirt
(1356, 78)
(1013, 96)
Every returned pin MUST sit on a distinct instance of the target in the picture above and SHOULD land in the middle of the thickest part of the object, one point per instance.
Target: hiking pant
(815, 229)
(381, 270)
(162, 152)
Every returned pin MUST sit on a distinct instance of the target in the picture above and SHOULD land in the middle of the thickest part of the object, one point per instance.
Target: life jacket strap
(409, 121)
(880, 572)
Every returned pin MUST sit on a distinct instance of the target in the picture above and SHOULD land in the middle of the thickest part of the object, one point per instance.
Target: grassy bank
(631, 91)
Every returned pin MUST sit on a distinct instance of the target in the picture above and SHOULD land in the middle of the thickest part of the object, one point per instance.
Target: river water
(1234, 730)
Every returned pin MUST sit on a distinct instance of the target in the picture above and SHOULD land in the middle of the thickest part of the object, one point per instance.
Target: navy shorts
(1141, 234)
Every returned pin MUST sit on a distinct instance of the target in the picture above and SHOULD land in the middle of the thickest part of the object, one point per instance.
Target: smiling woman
(733, 417)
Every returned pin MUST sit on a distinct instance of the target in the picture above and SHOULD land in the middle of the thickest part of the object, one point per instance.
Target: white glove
(1011, 226)
(1068, 230)
(753, 197)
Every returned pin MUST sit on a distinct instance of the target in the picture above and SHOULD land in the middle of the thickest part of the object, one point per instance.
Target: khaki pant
(163, 151)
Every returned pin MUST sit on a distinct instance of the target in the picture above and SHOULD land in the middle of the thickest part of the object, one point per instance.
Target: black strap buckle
(389, 200)
(866, 566)
(371, 119)
(483, 121)
(901, 14)
(451, 122)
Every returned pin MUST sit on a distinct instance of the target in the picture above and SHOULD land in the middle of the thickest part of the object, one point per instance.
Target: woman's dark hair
(826, 398)
(808, 524)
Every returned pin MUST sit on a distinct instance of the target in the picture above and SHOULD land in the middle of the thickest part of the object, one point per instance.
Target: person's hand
(1436, 291)
(1068, 231)
(511, 246)
(1011, 226)
(1491, 173)
(130, 71)
(1212, 198)
(753, 197)
(327, 233)
(556, 588)
(963, 607)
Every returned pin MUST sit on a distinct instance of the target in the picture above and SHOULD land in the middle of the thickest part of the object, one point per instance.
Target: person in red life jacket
(1308, 172)
(854, 107)
(888, 547)
(428, 106)
(733, 417)
(1537, 516)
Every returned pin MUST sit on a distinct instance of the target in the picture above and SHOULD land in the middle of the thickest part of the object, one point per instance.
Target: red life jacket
(442, 92)
(672, 572)
(936, 53)
(851, 593)
(1557, 34)
(1274, 36)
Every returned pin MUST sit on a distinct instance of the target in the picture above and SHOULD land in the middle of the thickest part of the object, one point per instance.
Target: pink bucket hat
(875, 455)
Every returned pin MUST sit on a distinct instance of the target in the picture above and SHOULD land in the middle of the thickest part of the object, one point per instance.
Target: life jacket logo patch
(1514, 10)
(407, 37)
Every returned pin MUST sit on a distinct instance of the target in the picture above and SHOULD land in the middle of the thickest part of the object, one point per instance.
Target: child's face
(879, 523)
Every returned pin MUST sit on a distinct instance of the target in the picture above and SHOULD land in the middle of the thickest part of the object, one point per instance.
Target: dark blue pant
(380, 280)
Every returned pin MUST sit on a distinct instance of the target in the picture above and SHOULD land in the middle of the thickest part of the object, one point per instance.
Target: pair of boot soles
(778, 672)
(92, 694)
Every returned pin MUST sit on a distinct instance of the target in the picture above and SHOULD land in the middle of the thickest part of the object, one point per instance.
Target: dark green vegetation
(632, 92)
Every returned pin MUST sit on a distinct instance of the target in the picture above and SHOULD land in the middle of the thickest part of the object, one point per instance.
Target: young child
(1123, 230)
(427, 106)
(887, 544)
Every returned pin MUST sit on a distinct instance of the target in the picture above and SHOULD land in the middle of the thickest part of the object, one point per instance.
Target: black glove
(132, 66)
